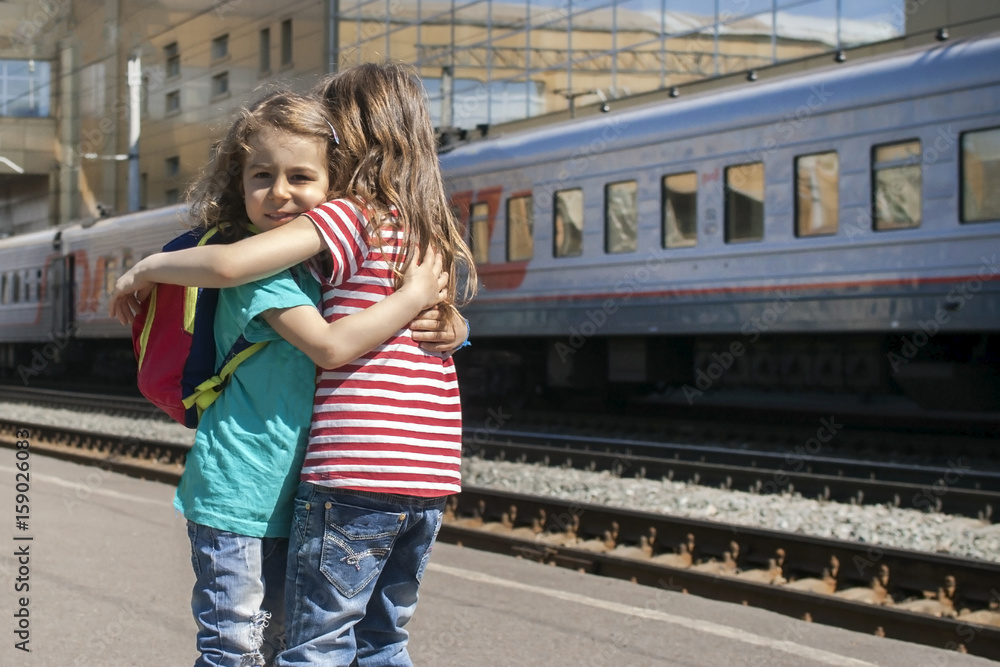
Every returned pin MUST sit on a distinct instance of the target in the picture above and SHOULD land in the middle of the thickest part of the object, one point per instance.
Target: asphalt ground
(98, 573)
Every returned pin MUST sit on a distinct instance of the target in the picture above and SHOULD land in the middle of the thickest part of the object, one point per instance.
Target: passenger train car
(836, 230)
(53, 295)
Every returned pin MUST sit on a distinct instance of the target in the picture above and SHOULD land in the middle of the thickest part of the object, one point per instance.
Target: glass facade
(25, 88)
(487, 61)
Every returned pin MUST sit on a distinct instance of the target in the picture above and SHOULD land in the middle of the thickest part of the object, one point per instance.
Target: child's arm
(223, 265)
(333, 344)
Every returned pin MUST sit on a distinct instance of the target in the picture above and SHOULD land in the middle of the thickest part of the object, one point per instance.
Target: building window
(480, 233)
(265, 50)
(567, 223)
(680, 210)
(817, 197)
(220, 47)
(286, 42)
(744, 193)
(171, 196)
(172, 56)
(220, 84)
(172, 166)
(520, 229)
(981, 175)
(25, 87)
(173, 101)
(896, 185)
(621, 217)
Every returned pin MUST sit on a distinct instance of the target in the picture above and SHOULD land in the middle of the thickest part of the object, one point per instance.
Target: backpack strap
(141, 343)
(206, 392)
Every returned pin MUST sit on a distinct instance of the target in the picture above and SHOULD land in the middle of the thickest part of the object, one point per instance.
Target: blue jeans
(354, 569)
(238, 598)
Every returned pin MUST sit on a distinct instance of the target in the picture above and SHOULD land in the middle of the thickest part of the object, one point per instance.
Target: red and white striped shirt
(390, 421)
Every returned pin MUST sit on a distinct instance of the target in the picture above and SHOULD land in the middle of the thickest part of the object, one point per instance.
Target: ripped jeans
(354, 568)
(238, 597)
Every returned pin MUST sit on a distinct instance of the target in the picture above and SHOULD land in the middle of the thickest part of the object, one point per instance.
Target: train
(829, 232)
(834, 231)
(54, 288)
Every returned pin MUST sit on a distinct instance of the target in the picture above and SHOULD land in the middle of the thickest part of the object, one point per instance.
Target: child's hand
(426, 281)
(129, 292)
(439, 329)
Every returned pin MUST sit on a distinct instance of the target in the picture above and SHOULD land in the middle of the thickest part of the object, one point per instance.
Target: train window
(745, 202)
(520, 229)
(15, 289)
(896, 185)
(3, 288)
(680, 210)
(981, 175)
(480, 233)
(110, 274)
(621, 217)
(816, 194)
(567, 223)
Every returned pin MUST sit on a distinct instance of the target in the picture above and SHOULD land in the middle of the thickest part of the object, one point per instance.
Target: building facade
(67, 152)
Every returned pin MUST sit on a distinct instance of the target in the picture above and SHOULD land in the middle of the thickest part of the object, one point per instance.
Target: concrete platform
(109, 575)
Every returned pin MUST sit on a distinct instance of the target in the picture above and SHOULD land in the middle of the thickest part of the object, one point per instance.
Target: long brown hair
(217, 197)
(388, 158)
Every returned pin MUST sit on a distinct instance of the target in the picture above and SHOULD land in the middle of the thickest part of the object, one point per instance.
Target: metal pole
(135, 97)
(447, 96)
(333, 36)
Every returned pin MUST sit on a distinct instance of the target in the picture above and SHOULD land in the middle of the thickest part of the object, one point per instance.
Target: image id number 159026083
(22, 539)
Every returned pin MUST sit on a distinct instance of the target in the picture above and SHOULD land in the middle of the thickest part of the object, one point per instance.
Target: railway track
(129, 406)
(742, 456)
(912, 596)
(745, 565)
(957, 488)
(876, 436)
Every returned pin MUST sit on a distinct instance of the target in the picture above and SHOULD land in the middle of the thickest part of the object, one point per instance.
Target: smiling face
(284, 175)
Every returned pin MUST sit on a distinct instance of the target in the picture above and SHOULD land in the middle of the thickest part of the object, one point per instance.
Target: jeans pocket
(434, 518)
(300, 520)
(356, 544)
(192, 531)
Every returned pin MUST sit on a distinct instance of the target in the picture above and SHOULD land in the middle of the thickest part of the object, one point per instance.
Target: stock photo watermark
(22, 540)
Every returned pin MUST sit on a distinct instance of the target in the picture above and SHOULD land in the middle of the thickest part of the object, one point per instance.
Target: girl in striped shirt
(384, 448)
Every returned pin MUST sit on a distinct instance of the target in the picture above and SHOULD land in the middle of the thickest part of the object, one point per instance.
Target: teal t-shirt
(243, 470)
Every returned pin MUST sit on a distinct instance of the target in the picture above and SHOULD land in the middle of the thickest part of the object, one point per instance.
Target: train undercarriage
(948, 372)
